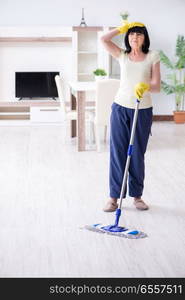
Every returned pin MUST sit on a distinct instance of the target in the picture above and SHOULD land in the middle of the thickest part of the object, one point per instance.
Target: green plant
(99, 72)
(176, 80)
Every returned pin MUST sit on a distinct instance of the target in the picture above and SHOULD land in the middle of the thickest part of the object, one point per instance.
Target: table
(78, 99)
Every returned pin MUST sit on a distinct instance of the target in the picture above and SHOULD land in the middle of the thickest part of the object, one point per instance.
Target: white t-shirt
(132, 73)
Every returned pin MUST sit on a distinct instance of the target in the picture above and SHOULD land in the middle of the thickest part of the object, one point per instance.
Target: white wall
(33, 56)
(163, 18)
(97, 12)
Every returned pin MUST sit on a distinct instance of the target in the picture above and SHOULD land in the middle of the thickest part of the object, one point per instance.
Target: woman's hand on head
(126, 26)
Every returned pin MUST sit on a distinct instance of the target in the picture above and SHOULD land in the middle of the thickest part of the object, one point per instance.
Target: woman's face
(136, 40)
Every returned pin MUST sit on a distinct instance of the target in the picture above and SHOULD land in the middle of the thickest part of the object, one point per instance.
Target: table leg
(73, 122)
(81, 120)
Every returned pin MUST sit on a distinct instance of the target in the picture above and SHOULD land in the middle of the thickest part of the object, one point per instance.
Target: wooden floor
(48, 191)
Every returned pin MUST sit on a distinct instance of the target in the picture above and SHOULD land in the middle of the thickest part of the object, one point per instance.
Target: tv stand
(31, 98)
(21, 110)
(22, 98)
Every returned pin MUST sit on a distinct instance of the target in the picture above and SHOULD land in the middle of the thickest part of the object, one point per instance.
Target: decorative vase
(124, 16)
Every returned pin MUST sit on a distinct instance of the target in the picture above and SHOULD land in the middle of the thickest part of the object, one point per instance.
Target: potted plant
(99, 74)
(176, 79)
(124, 15)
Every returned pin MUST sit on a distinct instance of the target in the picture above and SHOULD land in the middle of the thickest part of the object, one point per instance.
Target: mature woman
(140, 76)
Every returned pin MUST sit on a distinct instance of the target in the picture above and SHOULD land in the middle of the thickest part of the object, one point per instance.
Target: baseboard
(163, 118)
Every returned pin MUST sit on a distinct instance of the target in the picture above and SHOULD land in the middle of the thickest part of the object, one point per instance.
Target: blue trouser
(120, 131)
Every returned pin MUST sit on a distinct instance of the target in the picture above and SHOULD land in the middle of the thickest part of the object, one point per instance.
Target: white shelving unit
(87, 51)
(88, 54)
(113, 64)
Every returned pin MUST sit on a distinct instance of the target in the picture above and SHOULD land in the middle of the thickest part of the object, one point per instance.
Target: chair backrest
(106, 90)
(59, 84)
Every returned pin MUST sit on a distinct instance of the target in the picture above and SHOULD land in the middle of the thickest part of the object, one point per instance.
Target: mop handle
(129, 153)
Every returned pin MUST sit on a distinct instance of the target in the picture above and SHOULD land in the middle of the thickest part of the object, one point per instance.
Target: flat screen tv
(35, 84)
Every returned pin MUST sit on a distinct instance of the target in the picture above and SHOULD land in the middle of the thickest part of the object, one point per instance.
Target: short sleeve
(155, 57)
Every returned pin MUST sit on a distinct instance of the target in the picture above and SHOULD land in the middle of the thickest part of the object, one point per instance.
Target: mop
(115, 229)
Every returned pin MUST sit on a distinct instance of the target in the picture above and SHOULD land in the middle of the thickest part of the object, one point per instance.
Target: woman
(140, 76)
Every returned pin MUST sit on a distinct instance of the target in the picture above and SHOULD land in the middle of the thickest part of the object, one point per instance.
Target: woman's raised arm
(111, 47)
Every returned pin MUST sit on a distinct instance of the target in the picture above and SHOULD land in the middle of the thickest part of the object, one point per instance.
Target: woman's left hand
(140, 88)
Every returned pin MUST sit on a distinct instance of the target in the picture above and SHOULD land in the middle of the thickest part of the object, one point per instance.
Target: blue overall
(120, 131)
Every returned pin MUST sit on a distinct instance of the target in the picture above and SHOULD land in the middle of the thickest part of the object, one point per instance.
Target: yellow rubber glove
(140, 88)
(126, 26)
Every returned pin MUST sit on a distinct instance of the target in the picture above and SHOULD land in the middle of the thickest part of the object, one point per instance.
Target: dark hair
(143, 30)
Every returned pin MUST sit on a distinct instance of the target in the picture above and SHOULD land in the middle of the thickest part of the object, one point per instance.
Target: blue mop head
(116, 231)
